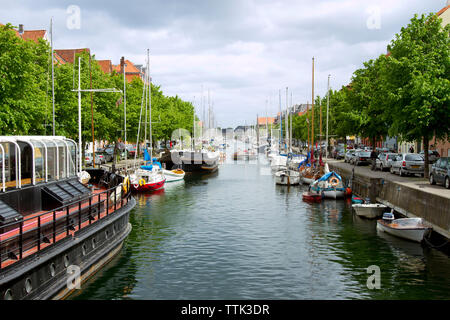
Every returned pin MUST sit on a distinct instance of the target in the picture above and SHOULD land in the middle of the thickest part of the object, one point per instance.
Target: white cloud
(243, 51)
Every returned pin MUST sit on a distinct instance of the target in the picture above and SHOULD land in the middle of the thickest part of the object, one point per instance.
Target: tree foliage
(26, 102)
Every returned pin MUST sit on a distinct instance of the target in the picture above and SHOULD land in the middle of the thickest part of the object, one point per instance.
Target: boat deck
(37, 221)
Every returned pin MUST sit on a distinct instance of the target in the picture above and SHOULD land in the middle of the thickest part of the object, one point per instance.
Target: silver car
(433, 155)
(408, 163)
(384, 161)
(350, 154)
(99, 159)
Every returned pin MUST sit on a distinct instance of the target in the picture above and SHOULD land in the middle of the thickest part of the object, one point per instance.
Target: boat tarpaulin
(325, 177)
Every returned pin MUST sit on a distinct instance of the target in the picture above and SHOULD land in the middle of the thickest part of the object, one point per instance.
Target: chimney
(21, 29)
(122, 63)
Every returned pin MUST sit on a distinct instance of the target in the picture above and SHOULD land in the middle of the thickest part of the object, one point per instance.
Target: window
(62, 159)
(72, 157)
(39, 161)
(52, 156)
(413, 157)
(443, 163)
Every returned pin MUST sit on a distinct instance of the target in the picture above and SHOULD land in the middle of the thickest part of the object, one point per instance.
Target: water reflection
(234, 234)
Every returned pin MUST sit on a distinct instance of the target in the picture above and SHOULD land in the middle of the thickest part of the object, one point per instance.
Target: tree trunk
(425, 151)
(113, 167)
(373, 143)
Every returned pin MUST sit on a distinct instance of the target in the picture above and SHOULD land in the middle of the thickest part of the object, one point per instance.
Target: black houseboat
(191, 161)
(52, 227)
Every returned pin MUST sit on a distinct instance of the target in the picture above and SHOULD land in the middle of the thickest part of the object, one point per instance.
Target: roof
(68, 55)
(443, 10)
(105, 65)
(58, 58)
(130, 70)
(34, 35)
(262, 120)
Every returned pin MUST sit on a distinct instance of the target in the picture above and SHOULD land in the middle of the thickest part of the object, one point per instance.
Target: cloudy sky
(242, 51)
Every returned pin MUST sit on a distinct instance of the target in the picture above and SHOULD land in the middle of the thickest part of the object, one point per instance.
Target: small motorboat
(174, 175)
(413, 229)
(369, 210)
(287, 177)
(311, 197)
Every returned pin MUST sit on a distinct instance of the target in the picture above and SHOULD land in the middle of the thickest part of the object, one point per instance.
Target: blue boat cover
(146, 155)
(304, 161)
(328, 175)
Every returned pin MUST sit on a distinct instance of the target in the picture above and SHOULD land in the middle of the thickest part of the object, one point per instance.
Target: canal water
(236, 235)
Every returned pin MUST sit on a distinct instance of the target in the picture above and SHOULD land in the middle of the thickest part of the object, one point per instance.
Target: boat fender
(126, 185)
(348, 191)
(334, 181)
(141, 182)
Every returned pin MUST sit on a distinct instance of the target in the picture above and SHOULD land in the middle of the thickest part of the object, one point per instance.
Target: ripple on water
(237, 235)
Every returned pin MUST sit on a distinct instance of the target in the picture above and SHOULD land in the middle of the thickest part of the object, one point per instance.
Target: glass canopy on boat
(30, 160)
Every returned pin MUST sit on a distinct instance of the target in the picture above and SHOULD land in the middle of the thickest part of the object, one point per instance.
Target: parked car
(440, 172)
(384, 161)
(108, 154)
(338, 153)
(88, 159)
(361, 157)
(348, 155)
(433, 155)
(131, 150)
(408, 163)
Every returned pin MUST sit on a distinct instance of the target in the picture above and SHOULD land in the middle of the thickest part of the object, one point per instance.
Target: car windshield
(392, 156)
(364, 154)
(413, 157)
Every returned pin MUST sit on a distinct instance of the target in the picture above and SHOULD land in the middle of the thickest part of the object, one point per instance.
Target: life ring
(141, 182)
(334, 181)
(126, 185)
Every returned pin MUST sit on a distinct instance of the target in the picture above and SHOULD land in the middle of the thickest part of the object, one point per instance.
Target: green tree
(418, 81)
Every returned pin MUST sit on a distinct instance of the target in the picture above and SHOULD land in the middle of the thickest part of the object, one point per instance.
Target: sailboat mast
(53, 75)
(281, 121)
(307, 120)
(290, 126)
(92, 111)
(79, 111)
(150, 106)
(125, 113)
(312, 125)
(328, 106)
(193, 125)
(287, 122)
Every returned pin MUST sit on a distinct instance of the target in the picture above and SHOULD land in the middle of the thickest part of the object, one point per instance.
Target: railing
(29, 236)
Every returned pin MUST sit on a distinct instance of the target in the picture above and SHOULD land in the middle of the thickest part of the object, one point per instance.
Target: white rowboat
(369, 210)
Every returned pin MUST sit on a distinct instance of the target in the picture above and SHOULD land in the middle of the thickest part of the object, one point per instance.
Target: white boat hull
(307, 180)
(172, 176)
(286, 177)
(416, 235)
(333, 194)
(369, 211)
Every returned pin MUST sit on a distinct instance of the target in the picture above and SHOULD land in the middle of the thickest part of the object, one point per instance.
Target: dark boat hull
(49, 272)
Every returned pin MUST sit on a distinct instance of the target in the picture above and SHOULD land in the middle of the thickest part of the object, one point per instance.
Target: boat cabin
(30, 165)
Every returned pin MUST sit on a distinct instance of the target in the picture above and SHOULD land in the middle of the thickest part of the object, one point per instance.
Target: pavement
(415, 182)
